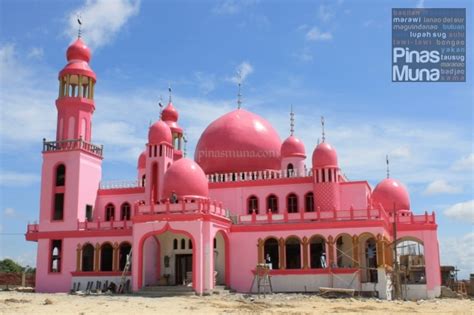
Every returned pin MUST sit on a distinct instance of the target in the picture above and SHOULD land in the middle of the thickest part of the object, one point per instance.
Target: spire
(292, 121)
(239, 95)
(239, 98)
(322, 128)
(79, 21)
(160, 104)
(169, 90)
(388, 166)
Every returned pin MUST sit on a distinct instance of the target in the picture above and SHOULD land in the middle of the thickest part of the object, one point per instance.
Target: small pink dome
(239, 141)
(324, 156)
(293, 147)
(142, 160)
(170, 113)
(186, 179)
(159, 132)
(391, 193)
(78, 51)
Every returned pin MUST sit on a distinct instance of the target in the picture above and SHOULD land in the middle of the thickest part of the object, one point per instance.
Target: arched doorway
(164, 263)
(411, 259)
(368, 257)
(344, 251)
(221, 259)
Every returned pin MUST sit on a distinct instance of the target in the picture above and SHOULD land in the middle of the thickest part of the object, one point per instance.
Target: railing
(104, 225)
(257, 175)
(333, 215)
(184, 206)
(119, 184)
(73, 144)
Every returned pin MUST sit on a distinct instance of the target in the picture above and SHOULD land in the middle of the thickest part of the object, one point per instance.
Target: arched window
(55, 257)
(309, 202)
(293, 253)
(272, 203)
(124, 250)
(371, 259)
(109, 212)
(317, 252)
(125, 211)
(344, 251)
(88, 257)
(106, 257)
(292, 203)
(183, 243)
(289, 170)
(60, 175)
(175, 244)
(271, 249)
(252, 204)
(190, 244)
(143, 180)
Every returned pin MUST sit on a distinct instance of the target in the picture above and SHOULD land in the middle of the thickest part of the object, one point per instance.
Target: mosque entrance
(183, 269)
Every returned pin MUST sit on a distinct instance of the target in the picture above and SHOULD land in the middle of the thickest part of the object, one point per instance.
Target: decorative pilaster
(97, 257)
(260, 248)
(331, 251)
(281, 242)
(305, 252)
(355, 251)
(78, 257)
(388, 252)
(115, 257)
(380, 251)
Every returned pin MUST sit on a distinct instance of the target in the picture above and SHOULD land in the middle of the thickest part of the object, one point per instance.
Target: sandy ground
(39, 303)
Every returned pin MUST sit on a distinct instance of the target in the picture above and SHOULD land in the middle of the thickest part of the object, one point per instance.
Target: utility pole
(396, 278)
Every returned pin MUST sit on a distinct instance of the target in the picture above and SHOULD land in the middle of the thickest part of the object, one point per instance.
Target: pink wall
(354, 194)
(235, 199)
(117, 201)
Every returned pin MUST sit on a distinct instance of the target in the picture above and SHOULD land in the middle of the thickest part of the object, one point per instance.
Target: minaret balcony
(73, 145)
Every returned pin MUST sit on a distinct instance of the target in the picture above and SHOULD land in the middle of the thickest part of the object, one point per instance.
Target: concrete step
(162, 291)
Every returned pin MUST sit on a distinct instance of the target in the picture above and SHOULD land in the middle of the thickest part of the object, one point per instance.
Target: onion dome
(293, 147)
(185, 178)
(324, 155)
(159, 132)
(170, 113)
(391, 194)
(78, 51)
(142, 160)
(239, 141)
(78, 56)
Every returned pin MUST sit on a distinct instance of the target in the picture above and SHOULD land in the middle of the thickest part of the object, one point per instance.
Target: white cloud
(466, 163)
(242, 72)
(401, 152)
(13, 179)
(420, 4)
(315, 34)
(325, 13)
(36, 53)
(459, 252)
(462, 211)
(304, 55)
(206, 82)
(101, 20)
(231, 7)
(440, 186)
(9, 212)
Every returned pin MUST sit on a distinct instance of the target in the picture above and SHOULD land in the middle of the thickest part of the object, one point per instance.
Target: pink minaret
(71, 169)
(326, 176)
(170, 117)
(75, 103)
(159, 157)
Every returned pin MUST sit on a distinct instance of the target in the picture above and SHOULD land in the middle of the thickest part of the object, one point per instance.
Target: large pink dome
(324, 155)
(186, 179)
(239, 141)
(391, 194)
(293, 147)
(159, 132)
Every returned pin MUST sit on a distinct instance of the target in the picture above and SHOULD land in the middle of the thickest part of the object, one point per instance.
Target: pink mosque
(246, 199)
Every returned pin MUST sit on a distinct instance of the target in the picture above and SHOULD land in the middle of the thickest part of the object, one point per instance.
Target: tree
(8, 265)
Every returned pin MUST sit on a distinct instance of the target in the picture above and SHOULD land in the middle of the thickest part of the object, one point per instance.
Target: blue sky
(328, 58)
